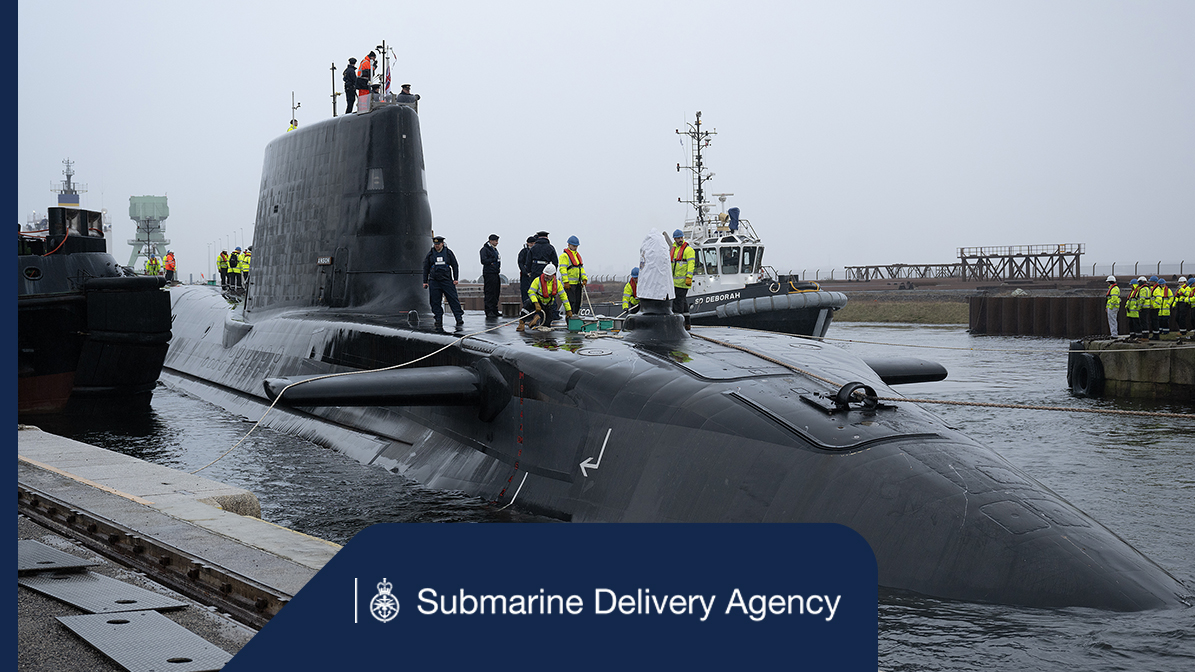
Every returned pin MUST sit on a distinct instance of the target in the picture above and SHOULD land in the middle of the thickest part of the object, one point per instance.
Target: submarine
(653, 424)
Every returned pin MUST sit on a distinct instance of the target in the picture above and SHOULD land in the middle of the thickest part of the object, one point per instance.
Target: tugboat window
(730, 260)
(375, 180)
(749, 260)
(708, 261)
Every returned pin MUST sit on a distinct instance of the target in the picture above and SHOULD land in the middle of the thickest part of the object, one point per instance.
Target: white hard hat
(1182, 278)
(1111, 278)
(549, 270)
(1141, 279)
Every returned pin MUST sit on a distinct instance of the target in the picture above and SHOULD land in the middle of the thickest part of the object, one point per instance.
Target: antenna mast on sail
(699, 139)
(334, 91)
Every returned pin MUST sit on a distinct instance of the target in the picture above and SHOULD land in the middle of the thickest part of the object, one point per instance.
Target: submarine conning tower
(343, 219)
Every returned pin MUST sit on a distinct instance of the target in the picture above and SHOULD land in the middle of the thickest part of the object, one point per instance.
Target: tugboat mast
(699, 139)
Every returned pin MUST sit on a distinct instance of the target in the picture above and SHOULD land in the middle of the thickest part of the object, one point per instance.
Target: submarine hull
(726, 425)
(607, 431)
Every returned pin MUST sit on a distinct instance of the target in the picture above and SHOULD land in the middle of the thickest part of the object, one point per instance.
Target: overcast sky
(851, 133)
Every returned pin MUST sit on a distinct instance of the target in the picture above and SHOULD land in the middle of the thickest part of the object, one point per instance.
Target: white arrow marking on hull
(589, 463)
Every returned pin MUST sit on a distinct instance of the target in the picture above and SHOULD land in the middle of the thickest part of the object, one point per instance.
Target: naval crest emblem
(384, 606)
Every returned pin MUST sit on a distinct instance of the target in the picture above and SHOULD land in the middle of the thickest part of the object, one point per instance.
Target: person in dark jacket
(405, 96)
(491, 268)
(440, 275)
(525, 270)
(350, 86)
(542, 255)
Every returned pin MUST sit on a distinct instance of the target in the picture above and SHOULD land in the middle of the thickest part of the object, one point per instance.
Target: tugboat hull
(803, 313)
(88, 336)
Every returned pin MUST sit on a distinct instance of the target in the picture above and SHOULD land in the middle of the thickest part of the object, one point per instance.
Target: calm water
(1135, 475)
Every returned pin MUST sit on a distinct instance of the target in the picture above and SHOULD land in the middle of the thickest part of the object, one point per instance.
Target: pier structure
(903, 272)
(149, 212)
(1021, 262)
(982, 264)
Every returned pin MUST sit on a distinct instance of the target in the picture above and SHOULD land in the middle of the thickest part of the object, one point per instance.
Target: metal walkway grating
(34, 556)
(96, 593)
(146, 641)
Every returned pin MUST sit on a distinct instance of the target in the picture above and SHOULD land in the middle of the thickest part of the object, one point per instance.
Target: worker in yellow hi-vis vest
(222, 267)
(234, 270)
(1112, 305)
(684, 259)
(572, 271)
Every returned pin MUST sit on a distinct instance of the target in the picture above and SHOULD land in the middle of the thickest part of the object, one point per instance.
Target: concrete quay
(1162, 369)
(190, 535)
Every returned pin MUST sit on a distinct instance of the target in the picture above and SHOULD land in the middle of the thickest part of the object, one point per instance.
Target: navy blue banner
(581, 597)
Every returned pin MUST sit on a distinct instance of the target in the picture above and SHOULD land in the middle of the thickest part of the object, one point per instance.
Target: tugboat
(731, 286)
(91, 334)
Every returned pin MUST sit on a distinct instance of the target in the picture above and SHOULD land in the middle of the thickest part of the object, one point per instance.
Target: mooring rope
(1055, 351)
(981, 404)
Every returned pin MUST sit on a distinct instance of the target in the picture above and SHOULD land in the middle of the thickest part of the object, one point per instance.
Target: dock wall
(1057, 316)
(1153, 370)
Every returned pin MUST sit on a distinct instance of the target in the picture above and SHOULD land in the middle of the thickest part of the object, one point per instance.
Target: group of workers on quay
(234, 268)
(1152, 306)
(549, 282)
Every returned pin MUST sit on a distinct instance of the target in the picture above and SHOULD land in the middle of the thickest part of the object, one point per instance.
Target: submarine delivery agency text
(642, 602)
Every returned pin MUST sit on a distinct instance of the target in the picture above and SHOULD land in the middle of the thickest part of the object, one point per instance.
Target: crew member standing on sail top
(491, 268)
(572, 271)
(683, 261)
(405, 96)
(440, 275)
(364, 75)
(152, 266)
(350, 85)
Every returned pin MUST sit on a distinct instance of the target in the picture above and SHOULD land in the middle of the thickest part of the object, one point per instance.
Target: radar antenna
(699, 139)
